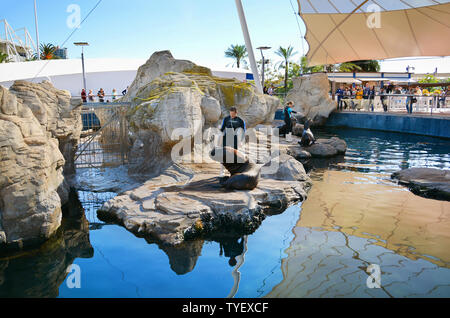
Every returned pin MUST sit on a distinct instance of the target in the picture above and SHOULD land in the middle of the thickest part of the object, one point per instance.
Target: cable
(299, 28)
(70, 35)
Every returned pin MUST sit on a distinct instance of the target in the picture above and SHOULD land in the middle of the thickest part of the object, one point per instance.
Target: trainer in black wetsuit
(232, 122)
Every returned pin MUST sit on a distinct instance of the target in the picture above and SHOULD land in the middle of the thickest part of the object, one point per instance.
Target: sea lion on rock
(244, 174)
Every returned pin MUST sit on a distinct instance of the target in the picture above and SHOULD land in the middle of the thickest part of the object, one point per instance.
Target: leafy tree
(237, 52)
(4, 58)
(286, 54)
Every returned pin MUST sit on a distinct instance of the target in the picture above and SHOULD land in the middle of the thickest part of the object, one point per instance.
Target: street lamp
(82, 44)
(263, 48)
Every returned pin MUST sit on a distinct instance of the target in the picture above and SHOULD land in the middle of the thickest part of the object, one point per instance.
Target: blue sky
(198, 30)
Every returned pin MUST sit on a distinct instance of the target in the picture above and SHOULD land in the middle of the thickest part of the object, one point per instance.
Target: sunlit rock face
(169, 94)
(36, 121)
(57, 112)
(311, 97)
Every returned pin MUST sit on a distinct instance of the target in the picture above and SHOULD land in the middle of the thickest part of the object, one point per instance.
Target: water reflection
(355, 215)
(39, 273)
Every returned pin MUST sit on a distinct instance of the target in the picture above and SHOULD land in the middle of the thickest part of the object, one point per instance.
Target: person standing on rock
(288, 118)
(231, 125)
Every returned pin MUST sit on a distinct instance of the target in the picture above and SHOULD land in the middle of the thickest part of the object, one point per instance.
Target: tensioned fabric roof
(345, 30)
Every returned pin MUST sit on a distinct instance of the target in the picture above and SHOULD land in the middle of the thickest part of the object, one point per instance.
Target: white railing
(397, 103)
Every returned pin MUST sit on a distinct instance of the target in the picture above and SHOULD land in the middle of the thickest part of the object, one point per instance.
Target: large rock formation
(185, 203)
(184, 200)
(33, 119)
(311, 97)
(169, 94)
(426, 182)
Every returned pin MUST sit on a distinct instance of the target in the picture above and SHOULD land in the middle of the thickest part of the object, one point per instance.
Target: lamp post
(262, 48)
(37, 32)
(248, 44)
(82, 44)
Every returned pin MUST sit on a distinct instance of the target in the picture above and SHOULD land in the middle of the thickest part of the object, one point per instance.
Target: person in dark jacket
(231, 124)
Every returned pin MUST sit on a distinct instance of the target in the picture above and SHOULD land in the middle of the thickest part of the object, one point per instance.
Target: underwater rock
(426, 182)
(310, 95)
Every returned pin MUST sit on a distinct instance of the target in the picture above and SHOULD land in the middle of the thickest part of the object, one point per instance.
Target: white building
(100, 73)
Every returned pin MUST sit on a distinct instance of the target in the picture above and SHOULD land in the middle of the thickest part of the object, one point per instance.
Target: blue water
(115, 263)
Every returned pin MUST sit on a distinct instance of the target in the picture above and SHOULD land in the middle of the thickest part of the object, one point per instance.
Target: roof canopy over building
(346, 30)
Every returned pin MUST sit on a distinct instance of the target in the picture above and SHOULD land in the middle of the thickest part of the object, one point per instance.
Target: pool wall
(436, 126)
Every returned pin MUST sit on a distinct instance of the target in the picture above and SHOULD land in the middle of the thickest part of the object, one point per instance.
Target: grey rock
(310, 95)
(35, 121)
(426, 182)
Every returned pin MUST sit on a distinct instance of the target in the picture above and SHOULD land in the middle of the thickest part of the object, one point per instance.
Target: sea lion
(307, 136)
(244, 174)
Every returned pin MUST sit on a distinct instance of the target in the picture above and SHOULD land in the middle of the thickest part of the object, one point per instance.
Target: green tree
(286, 54)
(349, 67)
(237, 52)
(367, 65)
(429, 78)
(4, 58)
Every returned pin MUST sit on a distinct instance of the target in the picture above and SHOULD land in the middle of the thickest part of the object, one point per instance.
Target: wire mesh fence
(105, 138)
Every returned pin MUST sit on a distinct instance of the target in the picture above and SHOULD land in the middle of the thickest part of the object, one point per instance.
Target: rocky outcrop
(33, 118)
(184, 203)
(426, 182)
(170, 94)
(311, 97)
(322, 148)
(57, 112)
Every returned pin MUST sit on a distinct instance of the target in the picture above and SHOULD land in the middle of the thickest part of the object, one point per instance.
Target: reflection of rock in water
(183, 257)
(39, 273)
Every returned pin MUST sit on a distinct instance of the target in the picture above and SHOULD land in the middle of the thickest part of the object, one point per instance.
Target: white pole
(248, 44)
(37, 31)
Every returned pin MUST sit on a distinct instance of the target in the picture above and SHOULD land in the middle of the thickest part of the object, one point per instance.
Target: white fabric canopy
(347, 30)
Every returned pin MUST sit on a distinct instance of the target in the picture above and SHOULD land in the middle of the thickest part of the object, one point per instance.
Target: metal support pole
(37, 31)
(263, 69)
(248, 44)
(82, 64)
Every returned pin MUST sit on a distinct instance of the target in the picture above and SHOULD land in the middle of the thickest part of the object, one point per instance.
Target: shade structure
(345, 80)
(346, 30)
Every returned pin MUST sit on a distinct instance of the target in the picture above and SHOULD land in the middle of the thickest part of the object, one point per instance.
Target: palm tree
(4, 58)
(237, 52)
(349, 67)
(47, 52)
(286, 54)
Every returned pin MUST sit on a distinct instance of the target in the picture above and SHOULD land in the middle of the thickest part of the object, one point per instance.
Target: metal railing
(104, 99)
(394, 103)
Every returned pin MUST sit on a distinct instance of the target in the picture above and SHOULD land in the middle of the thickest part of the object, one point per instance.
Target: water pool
(354, 216)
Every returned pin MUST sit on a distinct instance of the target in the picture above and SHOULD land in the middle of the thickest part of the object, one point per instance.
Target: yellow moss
(198, 70)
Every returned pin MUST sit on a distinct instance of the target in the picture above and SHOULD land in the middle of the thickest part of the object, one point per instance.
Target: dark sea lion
(244, 174)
